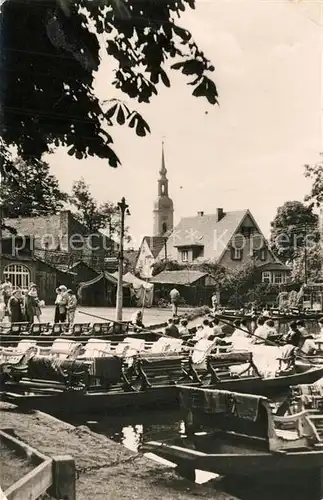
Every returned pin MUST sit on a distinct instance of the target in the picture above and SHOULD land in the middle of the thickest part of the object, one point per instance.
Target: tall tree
(87, 210)
(315, 173)
(48, 60)
(308, 264)
(95, 217)
(294, 226)
(31, 190)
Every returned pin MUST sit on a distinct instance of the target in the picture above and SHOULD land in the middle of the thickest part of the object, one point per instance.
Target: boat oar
(270, 342)
(100, 317)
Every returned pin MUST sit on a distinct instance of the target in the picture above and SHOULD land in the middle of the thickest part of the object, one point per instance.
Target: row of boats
(99, 374)
(258, 407)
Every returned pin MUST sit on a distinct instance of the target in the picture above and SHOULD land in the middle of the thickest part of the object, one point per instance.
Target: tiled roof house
(230, 238)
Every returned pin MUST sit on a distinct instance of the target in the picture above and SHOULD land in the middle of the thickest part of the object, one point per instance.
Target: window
(262, 254)
(266, 277)
(18, 275)
(184, 255)
(164, 227)
(236, 253)
(279, 278)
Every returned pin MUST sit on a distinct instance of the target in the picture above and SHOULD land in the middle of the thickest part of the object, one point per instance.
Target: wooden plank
(63, 478)
(22, 449)
(32, 485)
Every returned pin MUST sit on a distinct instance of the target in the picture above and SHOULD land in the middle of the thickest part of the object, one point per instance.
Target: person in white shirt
(301, 327)
(217, 329)
(308, 346)
(261, 332)
(270, 326)
(240, 330)
(183, 330)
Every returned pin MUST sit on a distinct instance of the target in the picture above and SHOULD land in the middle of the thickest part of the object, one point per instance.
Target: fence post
(63, 478)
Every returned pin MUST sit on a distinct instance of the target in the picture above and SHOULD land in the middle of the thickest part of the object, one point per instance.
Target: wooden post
(63, 478)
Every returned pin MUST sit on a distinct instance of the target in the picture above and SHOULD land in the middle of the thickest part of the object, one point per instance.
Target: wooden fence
(55, 475)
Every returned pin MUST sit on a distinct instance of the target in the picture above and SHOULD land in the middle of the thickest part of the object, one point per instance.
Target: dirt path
(107, 471)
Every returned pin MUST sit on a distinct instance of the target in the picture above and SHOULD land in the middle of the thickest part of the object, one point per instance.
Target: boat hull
(69, 402)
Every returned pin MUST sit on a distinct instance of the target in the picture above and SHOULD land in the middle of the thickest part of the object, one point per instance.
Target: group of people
(24, 306)
(65, 305)
(297, 334)
(20, 305)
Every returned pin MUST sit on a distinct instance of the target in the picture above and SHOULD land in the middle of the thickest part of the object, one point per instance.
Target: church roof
(155, 243)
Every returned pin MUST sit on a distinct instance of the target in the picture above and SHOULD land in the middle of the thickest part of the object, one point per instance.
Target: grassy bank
(106, 470)
(12, 467)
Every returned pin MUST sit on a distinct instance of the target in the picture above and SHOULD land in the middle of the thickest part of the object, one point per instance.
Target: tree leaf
(164, 78)
(121, 119)
(110, 113)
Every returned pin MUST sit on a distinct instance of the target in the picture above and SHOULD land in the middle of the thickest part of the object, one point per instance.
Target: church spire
(163, 170)
(163, 206)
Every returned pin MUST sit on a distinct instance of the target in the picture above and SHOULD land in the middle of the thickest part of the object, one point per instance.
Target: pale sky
(247, 153)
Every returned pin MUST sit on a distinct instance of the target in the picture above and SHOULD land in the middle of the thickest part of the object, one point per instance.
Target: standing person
(174, 298)
(71, 306)
(61, 304)
(31, 303)
(2, 306)
(215, 303)
(7, 291)
(15, 307)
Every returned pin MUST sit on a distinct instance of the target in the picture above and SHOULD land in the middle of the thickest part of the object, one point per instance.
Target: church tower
(163, 206)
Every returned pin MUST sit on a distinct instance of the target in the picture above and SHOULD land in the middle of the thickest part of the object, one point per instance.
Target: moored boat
(235, 434)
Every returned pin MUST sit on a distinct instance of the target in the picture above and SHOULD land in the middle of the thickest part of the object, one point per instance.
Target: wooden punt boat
(218, 375)
(46, 333)
(240, 435)
(282, 318)
(110, 383)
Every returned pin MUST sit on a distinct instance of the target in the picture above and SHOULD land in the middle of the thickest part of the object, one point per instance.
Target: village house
(54, 250)
(230, 239)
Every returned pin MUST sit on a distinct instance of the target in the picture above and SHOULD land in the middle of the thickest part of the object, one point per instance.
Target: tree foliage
(294, 226)
(307, 265)
(93, 216)
(30, 190)
(315, 173)
(48, 60)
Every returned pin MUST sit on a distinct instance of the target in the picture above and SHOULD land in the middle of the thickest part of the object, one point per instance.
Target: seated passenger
(171, 329)
(136, 319)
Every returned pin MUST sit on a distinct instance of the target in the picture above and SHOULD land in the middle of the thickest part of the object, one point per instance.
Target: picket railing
(55, 475)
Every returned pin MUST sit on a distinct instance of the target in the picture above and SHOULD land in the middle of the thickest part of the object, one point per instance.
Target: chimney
(220, 214)
(200, 214)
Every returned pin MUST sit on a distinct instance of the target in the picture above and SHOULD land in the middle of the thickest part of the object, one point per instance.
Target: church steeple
(163, 181)
(163, 207)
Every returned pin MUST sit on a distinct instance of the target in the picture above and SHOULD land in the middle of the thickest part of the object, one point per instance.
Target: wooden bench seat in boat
(101, 329)
(39, 329)
(59, 329)
(160, 369)
(18, 329)
(219, 366)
